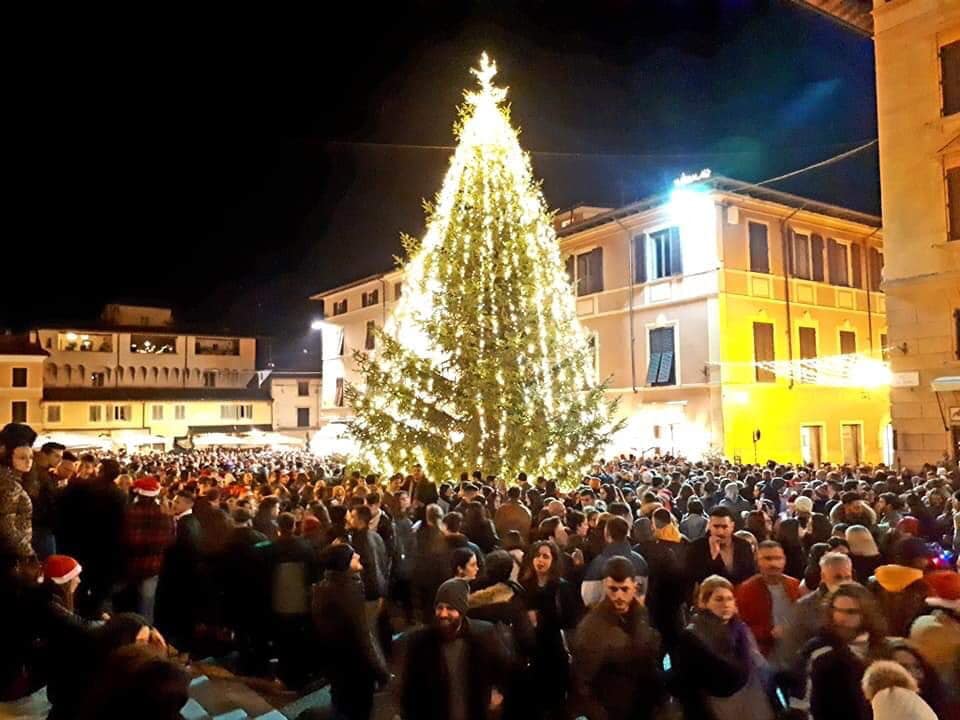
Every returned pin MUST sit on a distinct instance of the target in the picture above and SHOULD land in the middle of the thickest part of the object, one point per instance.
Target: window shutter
(950, 77)
(953, 202)
(808, 343)
(875, 266)
(676, 252)
(596, 271)
(570, 274)
(640, 258)
(763, 350)
(666, 376)
(583, 274)
(816, 255)
(788, 260)
(340, 343)
(759, 250)
(856, 274)
(848, 342)
(654, 368)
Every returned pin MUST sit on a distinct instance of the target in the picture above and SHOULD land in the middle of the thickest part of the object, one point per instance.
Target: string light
(483, 359)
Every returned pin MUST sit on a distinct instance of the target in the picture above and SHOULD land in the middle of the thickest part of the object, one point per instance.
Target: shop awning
(75, 441)
(947, 390)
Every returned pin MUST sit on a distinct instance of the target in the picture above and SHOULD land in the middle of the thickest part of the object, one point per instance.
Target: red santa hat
(147, 486)
(946, 589)
(61, 569)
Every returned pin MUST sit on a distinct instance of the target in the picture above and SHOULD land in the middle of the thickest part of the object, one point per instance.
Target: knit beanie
(16, 435)
(337, 557)
(61, 569)
(455, 592)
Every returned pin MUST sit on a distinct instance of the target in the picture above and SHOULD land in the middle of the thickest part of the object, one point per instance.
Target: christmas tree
(483, 363)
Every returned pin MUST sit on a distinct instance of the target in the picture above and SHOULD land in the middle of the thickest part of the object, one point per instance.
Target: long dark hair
(528, 576)
(874, 624)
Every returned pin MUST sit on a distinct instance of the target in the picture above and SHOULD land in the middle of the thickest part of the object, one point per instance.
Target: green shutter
(640, 258)
(676, 252)
(816, 254)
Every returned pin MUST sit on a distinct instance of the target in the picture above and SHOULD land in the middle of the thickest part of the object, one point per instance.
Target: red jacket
(755, 607)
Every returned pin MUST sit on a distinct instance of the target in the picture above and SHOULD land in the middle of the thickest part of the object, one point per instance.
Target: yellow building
(917, 45)
(717, 310)
(136, 376)
(21, 378)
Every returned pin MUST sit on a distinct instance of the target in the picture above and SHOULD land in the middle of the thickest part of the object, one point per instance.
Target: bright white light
(319, 325)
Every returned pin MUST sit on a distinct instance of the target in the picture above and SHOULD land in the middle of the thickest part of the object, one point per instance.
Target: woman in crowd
(864, 553)
(719, 672)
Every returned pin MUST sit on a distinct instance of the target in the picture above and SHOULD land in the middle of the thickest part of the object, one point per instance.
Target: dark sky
(232, 166)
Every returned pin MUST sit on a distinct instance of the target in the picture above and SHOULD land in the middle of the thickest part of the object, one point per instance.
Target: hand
(777, 632)
(577, 557)
(496, 699)
(534, 618)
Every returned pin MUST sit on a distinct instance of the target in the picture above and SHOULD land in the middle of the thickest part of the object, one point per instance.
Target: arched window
(120, 374)
(67, 374)
(108, 373)
(132, 375)
(166, 376)
(176, 375)
(156, 375)
(52, 372)
(81, 375)
(143, 374)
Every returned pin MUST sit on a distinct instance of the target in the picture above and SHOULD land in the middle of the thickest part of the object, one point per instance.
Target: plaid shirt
(147, 533)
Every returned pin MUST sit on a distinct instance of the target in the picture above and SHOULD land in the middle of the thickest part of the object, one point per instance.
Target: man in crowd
(455, 668)
(147, 533)
(720, 552)
(765, 601)
(616, 654)
(810, 610)
(180, 575)
(513, 515)
(41, 485)
(615, 537)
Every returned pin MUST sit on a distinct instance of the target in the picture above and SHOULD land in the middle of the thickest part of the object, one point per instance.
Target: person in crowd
(41, 485)
(242, 583)
(179, 579)
(720, 553)
(513, 514)
(853, 636)
(893, 693)
(147, 532)
(900, 587)
(693, 526)
(553, 609)
(16, 508)
(463, 564)
(373, 556)
(936, 634)
(766, 600)
(89, 527)
(809, 611)
(928, 682)
(478, 528)
(889, 509)
(66, 470)
(720, 671)
(735, 503)
(429, 555)
(615, 537)
(864, 552)
(340, 622)
(853, 510)
(616, 653)
(454, 667)
(265, 519)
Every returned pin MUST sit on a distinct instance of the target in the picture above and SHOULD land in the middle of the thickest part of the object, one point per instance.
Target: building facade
(918, 111)
(717, 311)
(21, 378)
(296, 402)
(135, 373)
(917, 45)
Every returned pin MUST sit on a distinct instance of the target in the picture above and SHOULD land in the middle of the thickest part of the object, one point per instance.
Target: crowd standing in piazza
(655, 588)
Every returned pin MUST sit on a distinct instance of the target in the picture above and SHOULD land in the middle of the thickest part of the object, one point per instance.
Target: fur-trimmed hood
(493, 595)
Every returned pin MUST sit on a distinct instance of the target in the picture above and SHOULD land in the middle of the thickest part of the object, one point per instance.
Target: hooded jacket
(901, 592)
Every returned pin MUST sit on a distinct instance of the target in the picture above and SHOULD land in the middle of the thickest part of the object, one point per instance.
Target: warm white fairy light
(483, 359)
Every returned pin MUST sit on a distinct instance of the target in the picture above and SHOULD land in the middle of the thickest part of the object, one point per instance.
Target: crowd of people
(652, 588)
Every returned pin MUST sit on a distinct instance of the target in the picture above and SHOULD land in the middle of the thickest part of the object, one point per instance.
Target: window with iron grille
(370, 298)
(589, 272)
(763, 351)
(339, 308)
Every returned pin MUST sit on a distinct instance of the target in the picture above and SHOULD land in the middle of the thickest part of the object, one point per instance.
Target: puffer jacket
(16, 511)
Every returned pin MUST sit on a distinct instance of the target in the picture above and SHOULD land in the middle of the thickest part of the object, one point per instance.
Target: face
(403, 502)
(542, 560)
(721, 528)
(87, 469)
(52, 458)
(22, 459)
(722, 604)
(66, 469)
(180, 505)
(583, 528)
(354, 521)
(470, 570)
(355, 565)
(446, 616)
(846, 616)
(771, 562)
(908, 661)
(620, 594)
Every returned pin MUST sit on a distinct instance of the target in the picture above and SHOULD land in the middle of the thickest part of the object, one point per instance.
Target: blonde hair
(861, 541)
(710, 585)
(884, 674)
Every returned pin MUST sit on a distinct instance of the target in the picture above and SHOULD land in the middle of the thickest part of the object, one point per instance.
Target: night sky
(232, 166)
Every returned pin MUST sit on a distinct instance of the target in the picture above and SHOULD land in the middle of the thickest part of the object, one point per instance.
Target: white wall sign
(905, 379)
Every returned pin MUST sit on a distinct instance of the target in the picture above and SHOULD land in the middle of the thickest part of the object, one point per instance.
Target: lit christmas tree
(483, 363)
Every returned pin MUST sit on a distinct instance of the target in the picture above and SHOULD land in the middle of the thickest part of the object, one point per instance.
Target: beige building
(917, 45)
(296, 402)
(21, 378)
(717, 311)
(135, 374)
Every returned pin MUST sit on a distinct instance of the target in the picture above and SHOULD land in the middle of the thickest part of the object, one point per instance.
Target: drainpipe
(630, 285)
(787, 266)
(866, 257)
